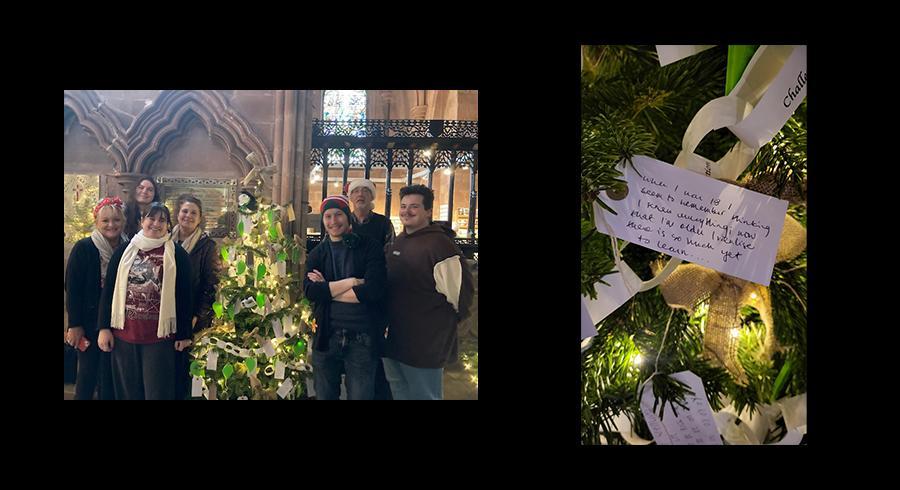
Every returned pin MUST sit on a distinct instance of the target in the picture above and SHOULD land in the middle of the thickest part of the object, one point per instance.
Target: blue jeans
(348, 352)
(412, 383)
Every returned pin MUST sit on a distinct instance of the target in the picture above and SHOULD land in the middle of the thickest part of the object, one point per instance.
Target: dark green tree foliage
(632, 106)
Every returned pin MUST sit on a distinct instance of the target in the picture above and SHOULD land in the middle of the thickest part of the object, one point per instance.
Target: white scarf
(167, 320)
(105, 250)
(189, 242)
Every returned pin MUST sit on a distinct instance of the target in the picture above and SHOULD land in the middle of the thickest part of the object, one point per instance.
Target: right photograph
(693, 245)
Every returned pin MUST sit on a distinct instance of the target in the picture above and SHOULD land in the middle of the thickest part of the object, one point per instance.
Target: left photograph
(271, 244)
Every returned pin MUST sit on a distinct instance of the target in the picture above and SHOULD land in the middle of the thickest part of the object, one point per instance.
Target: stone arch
(157, 126)
(105, 125)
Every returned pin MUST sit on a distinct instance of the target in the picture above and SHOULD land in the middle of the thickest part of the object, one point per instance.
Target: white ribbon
(670, 53)
(241, 352)
(751, 431)
(754, 111)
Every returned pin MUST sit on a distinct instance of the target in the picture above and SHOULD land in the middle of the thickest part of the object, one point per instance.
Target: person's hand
(180, 345)
(358, 282)
(194, 321)
(105, 340)
(315, 276)
(74, 335)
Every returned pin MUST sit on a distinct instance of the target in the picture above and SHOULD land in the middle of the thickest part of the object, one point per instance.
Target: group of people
(136, 291)
(386, 305)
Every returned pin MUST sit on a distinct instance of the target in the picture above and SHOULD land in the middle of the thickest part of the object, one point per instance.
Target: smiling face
(155, 224)
(144, 193)
(109, 222)
(189, 217)
(413, 214)
(337, 223)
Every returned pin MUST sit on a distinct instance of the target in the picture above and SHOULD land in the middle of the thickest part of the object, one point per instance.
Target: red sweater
(142, 299)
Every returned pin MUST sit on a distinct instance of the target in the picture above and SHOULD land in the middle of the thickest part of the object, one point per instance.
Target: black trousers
(144, 371)
(94, 374)
(183, 376)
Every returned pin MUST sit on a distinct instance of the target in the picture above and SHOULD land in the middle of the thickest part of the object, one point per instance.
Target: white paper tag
(276, 326)
(285, 388)
(792, 438)
(693, 426)
(268, 348)
(281, 267)
(279, 370)
(288, 323)
(698, 219)
(794, 411)
(248, 302)
(670, 53)
(248, 224)
(587, 325)
(211, 360)
(781, 99)
(197, 386)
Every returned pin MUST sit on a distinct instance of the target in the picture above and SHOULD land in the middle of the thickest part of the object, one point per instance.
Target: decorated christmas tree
(257, 345)
(746, 342)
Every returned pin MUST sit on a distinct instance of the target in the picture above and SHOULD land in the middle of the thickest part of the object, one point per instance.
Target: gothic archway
(154, 128)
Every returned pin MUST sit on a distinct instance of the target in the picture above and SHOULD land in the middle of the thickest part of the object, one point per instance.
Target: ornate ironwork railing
(468, 246)
(407, 143)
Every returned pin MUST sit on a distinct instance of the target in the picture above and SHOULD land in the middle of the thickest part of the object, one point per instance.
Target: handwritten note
(694, 426)
(696, 218)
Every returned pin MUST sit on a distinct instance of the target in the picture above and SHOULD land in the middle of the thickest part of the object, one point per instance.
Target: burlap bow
(691, 284)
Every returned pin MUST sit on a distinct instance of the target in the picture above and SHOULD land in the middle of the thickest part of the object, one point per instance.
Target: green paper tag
(282, 256)
(224, 254)
(217, 307)
(240, 228)
(260, 272)
(251, 364)
(261, 300)
(228, 370)
(242, 266)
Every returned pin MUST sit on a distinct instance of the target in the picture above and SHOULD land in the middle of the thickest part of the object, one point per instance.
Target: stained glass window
(345, 105)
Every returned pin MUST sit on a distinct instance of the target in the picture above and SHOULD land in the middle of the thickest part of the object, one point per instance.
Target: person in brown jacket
(430, 289)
